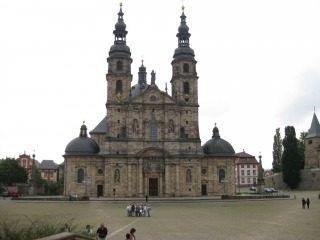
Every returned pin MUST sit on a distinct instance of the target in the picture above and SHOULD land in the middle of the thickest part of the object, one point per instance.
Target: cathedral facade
(149, 142)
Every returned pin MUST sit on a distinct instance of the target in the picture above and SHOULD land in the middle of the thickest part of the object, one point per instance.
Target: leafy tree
(11, 172)
(51, 188)
(277, 152)
(291, 159)
(301, 148)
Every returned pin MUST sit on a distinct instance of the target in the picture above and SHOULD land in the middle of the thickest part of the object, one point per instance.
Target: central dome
(82, 145)
(218, 146)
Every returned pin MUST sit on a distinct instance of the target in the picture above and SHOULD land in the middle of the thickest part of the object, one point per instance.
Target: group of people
(102, 232)
(305, 202)
(138, 210)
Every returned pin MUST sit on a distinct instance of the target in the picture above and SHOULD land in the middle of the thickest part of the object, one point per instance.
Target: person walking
(128, 236)
(308, 203)
(132, 232)
(102, 232)
(303, 203)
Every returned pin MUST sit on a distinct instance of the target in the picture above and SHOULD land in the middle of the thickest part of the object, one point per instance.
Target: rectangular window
(248, 172)
(248, 166)
(242, 180)
(153, 132)
(254, 172)
(249, 180)
(242, 172)
(254, 181)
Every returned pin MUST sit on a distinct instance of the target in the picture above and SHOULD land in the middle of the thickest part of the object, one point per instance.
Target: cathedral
(149, 143)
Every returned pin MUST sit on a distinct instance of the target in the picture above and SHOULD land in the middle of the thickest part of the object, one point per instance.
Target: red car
(14, 194)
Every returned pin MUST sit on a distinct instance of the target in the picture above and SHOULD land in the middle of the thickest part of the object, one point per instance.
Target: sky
(258, 67)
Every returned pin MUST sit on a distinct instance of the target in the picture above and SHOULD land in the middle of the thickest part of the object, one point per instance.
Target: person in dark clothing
(147, 198)
(308, 202)
(128, 236)
(132, 232)
(132, 209)
(102, 232)
(303, 203)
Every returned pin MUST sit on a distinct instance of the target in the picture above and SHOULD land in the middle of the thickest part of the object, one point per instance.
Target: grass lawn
(241, 220)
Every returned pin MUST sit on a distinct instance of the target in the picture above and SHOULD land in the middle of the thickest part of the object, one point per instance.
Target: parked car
(273, 190)
(5, 194)
(252, 188)
(270, 190)
(14, 194)
(267, 190)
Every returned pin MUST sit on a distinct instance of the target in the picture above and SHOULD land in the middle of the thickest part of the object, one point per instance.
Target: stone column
(167, 180)
(177, 180)
(140, 177)
(129, 180)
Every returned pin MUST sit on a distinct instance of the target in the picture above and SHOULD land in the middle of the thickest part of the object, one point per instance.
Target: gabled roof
(314, 130)
(48, 164)
(244, 155)
(245, 158)
(101, 127)
(152, 90)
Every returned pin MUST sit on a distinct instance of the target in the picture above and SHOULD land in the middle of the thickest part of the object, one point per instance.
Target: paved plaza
(215, 219)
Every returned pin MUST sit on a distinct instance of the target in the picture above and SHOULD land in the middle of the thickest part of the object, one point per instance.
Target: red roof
(245, 158)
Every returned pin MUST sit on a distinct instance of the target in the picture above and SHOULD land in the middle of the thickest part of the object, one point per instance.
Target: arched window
(182, 132)
(186, 68)
(135, 126)
(119, 86)
(119, 65)
(222, 175)
(80, 178)
(186, 88)
(116, 176)
(188, 176)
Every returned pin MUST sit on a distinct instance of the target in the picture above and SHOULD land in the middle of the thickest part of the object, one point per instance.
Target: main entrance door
(153, 186)
(99, 190)
(204, 189)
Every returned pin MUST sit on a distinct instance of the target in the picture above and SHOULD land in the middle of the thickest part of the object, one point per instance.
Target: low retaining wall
(66, 236)
(257, 196)
(310, 180)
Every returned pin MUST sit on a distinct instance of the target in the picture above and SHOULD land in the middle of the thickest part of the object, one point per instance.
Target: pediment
(152, 152)
(153, 95)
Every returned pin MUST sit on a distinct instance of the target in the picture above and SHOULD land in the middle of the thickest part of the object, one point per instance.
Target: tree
(11, 172)
(277, 152)
(291, 159)
(38, 181)
(301, 148)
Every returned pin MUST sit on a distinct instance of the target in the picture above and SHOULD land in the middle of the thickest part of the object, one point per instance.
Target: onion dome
(218, 146)
(82, 145)
(119, 47)
(183, 35)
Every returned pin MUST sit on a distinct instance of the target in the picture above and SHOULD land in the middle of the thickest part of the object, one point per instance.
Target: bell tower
(184, 81)
(119, 75)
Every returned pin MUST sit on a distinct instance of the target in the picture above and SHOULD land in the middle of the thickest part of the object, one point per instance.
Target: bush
(14, 230)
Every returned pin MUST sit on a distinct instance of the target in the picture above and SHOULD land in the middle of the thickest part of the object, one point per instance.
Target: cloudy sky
(258, 66)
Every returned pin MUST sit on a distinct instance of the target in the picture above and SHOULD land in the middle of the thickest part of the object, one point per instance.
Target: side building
(312, 145)
(149, 143)
(247, 170)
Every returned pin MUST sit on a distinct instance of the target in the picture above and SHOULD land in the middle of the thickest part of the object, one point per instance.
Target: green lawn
(241, 220)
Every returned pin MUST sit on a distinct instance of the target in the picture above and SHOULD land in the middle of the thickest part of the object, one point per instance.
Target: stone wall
(310, 180)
